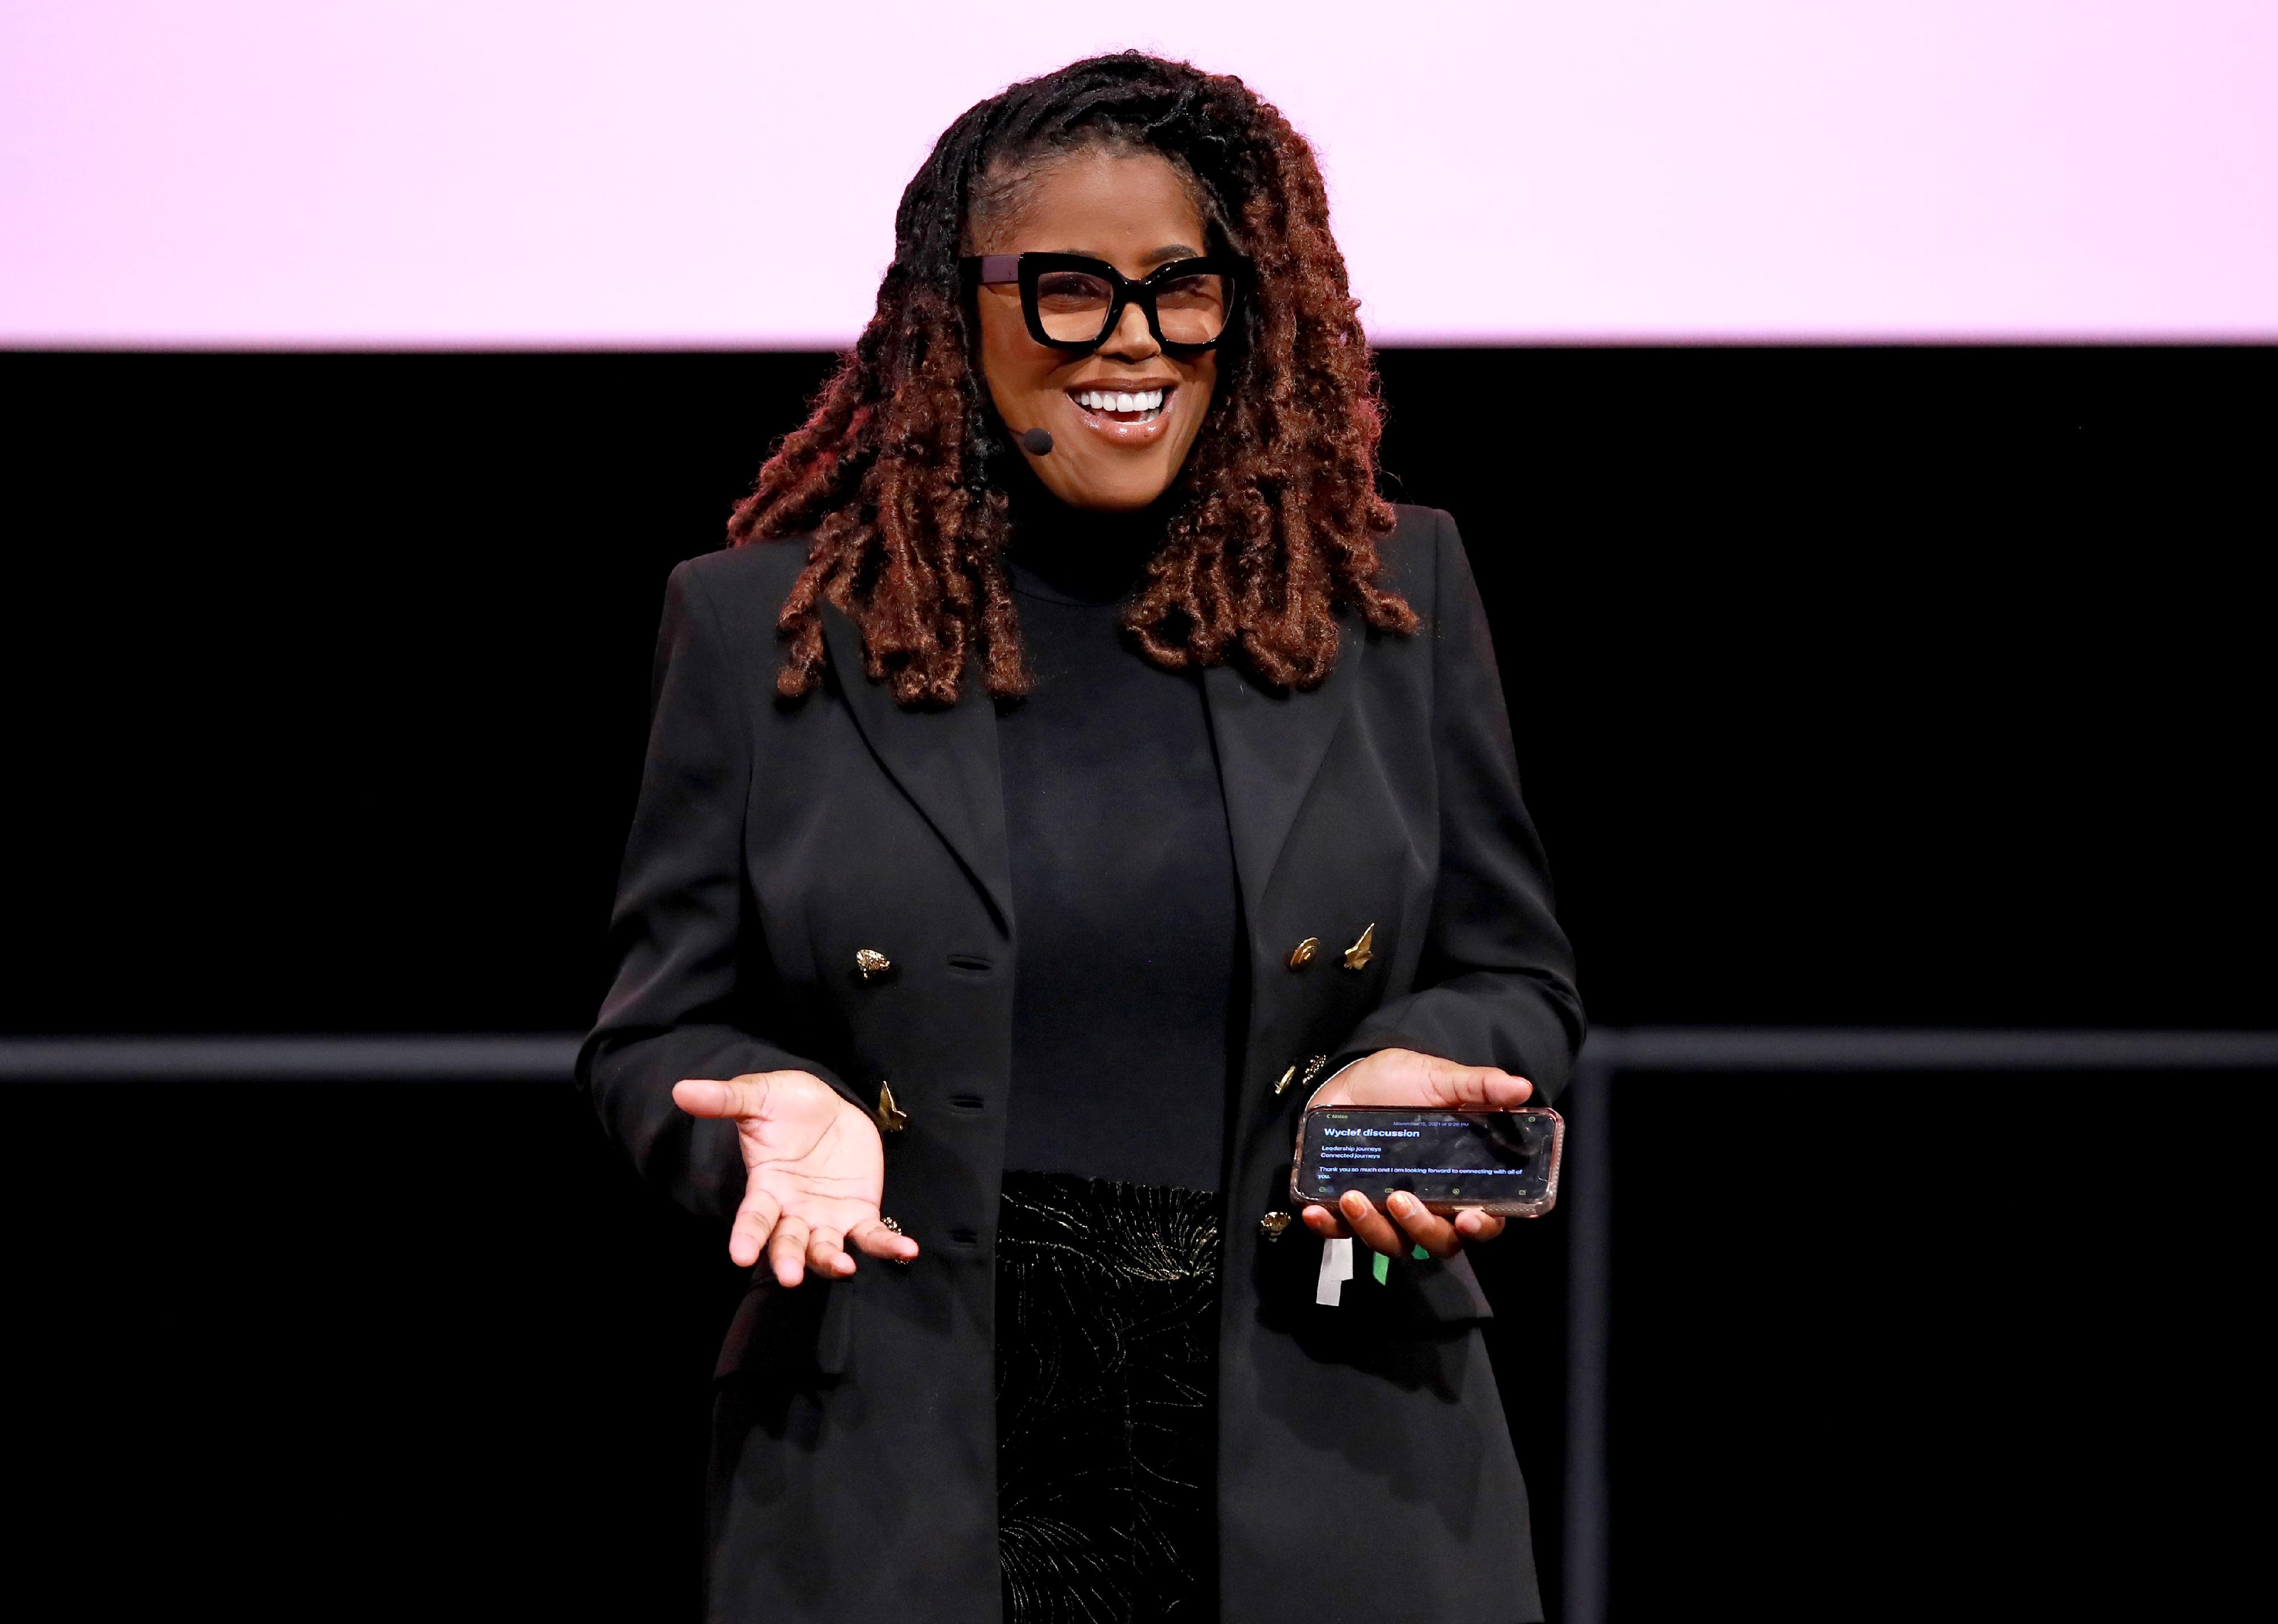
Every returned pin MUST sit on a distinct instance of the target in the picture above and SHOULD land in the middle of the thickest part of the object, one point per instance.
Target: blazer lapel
(945, 761)
(1270, 747)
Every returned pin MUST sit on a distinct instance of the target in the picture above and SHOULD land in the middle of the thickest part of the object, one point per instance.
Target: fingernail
(1404, 1204)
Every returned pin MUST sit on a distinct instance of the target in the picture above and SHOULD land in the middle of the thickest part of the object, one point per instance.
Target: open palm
(813, 1172)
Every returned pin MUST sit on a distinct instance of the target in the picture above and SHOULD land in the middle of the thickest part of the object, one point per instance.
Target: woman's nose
(1131, 340)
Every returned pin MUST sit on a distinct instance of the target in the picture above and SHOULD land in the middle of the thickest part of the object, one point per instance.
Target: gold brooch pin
(892, 1117)
(1357, 956)
(1272, 1223)
(870, 964)
(1302, 955)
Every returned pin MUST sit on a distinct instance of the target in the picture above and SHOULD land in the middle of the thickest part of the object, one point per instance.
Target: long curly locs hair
(897, 474)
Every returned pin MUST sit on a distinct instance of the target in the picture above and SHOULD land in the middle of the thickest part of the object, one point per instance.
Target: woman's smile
(1124, 411)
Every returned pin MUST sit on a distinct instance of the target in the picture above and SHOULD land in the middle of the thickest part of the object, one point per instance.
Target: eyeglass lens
(1073, 305)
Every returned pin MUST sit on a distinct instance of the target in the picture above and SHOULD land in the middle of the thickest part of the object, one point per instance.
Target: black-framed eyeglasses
(1073, 301)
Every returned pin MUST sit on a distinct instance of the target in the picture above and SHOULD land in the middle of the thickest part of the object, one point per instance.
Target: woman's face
(1133, 210)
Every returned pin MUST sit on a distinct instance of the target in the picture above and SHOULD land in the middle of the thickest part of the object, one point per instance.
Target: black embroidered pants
(1106, 1380)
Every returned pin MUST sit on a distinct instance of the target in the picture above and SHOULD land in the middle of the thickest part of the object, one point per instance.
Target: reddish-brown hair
(898, 473)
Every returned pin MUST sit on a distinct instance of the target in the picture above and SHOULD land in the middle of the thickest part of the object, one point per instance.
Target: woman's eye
(1193, 292)
(1066, 287)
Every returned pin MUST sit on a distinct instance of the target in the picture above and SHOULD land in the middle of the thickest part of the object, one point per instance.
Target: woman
(1073, 768)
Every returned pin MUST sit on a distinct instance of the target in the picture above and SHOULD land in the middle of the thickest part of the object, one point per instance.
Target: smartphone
(1500, 1162)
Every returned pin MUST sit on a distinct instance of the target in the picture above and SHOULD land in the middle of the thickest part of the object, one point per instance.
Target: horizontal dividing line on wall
(1873, 1049)
(547, 1058)
(472, 1057)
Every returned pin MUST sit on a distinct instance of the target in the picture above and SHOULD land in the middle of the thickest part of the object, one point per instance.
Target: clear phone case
(1504, 1163)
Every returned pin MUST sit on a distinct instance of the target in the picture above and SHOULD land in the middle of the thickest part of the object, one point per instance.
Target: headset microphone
(1037, 442)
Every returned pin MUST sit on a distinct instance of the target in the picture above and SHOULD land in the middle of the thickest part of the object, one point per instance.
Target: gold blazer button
(1357, 956)
(870, 964)
(1272, 1223)
(1301, 1071)
(1302, 955)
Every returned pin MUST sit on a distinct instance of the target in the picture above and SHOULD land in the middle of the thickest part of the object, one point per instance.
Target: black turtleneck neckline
(1075, 555)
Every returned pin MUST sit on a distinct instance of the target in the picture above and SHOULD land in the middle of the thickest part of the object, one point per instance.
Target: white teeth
(1117, 401)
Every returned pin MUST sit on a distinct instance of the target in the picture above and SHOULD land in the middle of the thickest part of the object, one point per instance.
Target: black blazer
(1364, 1471)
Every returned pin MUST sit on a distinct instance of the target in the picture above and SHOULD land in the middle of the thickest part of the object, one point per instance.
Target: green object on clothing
(1420, 1254)
(1383, 1267)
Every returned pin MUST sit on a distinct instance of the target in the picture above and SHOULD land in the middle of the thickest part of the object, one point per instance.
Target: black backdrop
(1886, 685)
(1890, 686)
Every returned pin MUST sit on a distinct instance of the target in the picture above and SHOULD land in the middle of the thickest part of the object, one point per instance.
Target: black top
(1123, 886)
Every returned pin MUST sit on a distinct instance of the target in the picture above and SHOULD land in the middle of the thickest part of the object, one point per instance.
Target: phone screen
(1454, 1156)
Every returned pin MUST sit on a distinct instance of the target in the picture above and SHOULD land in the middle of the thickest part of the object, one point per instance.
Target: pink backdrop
(479, 172)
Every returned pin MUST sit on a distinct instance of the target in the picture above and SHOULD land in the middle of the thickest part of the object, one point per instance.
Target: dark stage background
(1898, 687)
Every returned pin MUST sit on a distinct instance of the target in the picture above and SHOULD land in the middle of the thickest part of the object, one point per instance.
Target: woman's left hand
(1402, 1077)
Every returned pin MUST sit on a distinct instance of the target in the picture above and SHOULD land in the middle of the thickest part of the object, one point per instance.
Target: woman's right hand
(814, 1171)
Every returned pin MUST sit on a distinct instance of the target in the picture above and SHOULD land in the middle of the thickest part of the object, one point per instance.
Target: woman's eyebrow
(1163, 255)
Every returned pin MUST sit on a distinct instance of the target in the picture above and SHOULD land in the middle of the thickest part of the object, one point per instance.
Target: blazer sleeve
(691, 982)
(1495, 983)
